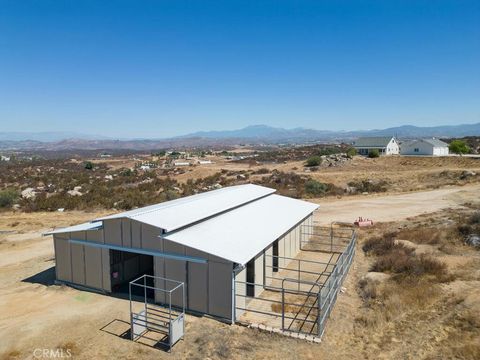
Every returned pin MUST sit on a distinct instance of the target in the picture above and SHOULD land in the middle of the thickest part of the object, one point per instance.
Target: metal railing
(300, 295)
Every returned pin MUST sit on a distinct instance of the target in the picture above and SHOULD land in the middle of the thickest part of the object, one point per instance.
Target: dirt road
(395, 207)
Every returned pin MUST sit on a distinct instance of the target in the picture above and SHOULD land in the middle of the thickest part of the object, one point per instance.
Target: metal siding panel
(220, 289)
(93, 267)
(268, 268)
(136, 228)
(106, 276)
(79, 235)
(126, 233)
(240, 289)
(150, 237)
(62, 259)
(197, 284)
(175, 270)
(159, 270)
(112, 230)
(94, 235)
(259, 273)
(78, 264)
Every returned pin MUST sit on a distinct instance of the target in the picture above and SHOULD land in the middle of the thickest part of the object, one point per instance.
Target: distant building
(432, 147)
(5, 158)
(386, 145)
(205, 162)
(181, 163)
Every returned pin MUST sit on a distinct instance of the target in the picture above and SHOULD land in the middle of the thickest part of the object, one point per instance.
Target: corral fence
(297, 294)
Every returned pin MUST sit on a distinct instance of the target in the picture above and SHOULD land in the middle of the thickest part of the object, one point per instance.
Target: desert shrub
(315, 188)
(351, 152)
(262, 171)
(371, 186)
(421, 235)
(470, 225)
(374, 153)
(406, 264)
(313, 161)
(7, 198)
(380, 245)
(88, 165)
(458, 147)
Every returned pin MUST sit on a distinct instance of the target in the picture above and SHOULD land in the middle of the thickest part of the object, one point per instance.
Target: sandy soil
(35, 314)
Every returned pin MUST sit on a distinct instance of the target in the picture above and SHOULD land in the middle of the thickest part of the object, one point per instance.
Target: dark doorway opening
(251, 278)
(127, 266)
(275, 256)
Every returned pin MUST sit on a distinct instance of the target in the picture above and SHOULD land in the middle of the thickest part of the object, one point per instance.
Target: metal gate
(156, 324)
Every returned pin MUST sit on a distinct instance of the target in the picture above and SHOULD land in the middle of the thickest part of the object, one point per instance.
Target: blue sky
(163, 68)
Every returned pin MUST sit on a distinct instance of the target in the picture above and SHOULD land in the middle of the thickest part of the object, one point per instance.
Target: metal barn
(207, 241)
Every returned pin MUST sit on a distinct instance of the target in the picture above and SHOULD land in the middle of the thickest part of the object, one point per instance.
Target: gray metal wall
(80, 264)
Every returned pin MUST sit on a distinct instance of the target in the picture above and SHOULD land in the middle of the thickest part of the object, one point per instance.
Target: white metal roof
(175, 214)
(240, 234)
(80, 227)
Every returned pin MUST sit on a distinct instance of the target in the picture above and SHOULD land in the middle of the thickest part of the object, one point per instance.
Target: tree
(373, 153)
(458, 147)
(314, 161)
(88, 165)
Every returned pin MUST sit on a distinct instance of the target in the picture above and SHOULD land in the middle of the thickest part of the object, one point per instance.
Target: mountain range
(255, 134)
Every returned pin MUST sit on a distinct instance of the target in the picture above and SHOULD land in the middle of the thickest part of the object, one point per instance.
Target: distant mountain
(256, 134)
(47, 136)
(264, 132)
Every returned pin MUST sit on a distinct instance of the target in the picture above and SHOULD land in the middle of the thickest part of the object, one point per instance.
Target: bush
(88, 165)
(374, 153)
(7, 198)
(351, 152)
(314, 161)
(458, 147)
(314, 187)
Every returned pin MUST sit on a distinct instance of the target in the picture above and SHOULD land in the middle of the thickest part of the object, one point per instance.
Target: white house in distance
(386, 145)
(432, 147)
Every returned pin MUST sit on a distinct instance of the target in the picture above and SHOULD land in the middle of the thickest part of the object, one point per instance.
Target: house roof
(378, 141)
(240, 234)
(436, 142)
(175, 214)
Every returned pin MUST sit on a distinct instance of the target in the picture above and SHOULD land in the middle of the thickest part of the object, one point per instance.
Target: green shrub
(458, 147)
(314, 187)
(374, 153)
(7, 198)
(314, 161)
(351, 152)
(88, 165)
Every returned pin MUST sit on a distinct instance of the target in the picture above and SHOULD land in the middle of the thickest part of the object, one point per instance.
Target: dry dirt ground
(36, 314)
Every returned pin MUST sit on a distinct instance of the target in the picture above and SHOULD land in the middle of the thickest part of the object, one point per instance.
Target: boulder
(473, 240)
(29, 193)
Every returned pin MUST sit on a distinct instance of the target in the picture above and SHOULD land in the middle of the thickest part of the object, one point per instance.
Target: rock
(75, 191)
(376, 276)
(108, 177)
(466, 174)
(473, 240)
(29, 193)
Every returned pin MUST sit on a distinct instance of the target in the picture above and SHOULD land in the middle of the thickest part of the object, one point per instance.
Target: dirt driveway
(395, 207)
